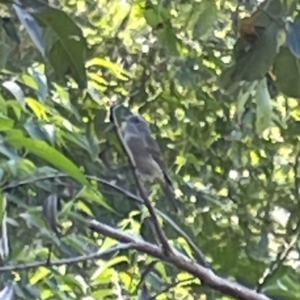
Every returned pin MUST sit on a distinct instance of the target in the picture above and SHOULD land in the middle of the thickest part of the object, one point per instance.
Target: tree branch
(159, 231)
(207, 276)
(17, 184)
(65, 261)
(198, 253)
(276, 264)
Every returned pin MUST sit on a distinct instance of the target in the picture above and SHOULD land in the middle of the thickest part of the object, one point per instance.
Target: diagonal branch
(198, 253)
(277, 263)
(207, 276)
(159, 231)
(128, 241)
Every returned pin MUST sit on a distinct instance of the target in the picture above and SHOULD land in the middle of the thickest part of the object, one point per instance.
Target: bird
(146, 153)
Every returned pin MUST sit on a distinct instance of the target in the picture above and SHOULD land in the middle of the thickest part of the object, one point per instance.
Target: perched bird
(146, 153)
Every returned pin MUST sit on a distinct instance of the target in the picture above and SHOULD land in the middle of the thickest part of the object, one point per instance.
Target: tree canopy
(219, 82)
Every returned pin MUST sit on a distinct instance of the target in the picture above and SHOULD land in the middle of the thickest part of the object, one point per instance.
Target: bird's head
(137, 122)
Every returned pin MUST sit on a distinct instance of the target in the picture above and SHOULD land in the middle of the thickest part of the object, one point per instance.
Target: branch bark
(65, 261)
(207, 276)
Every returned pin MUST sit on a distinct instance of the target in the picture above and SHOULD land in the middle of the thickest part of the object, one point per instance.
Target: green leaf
(286, 287)
(32, 27)
(263, 107)
(16, 90)
(98, 277)
(10, 29)
(225, 80)
(115, 68)
(274, 11)
(103, 293)
(290, 6)
(243, 96)
(93, 195)
(158, 17)
(168, 38)
(34, 130)
(48, 153)
(260, 250)
(5, 51)
(37, 107)
(6, 123)
(287, 73)
(154, 280)
(42, 85)
(2, 206)
(255, 63)
(203, 16)
(152, 14)
(67, 45)
(16, 108)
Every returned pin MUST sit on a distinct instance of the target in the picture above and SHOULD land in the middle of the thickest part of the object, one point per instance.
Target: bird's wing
(144, 147)
(154, 149)
(135, 144)
(144, 161)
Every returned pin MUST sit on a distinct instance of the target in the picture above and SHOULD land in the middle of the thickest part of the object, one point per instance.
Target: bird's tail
(169, 192)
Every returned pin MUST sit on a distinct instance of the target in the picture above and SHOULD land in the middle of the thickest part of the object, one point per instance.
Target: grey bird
(146, 153)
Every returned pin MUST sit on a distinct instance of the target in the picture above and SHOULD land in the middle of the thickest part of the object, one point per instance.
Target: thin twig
(147, 270)
(17, 184)
(296, 175)
(160, 233)
(180, 261)
(118, 189)
(65, 261)
(277, 263)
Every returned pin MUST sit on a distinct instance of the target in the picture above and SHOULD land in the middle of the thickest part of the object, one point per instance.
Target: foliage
(222, 98)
